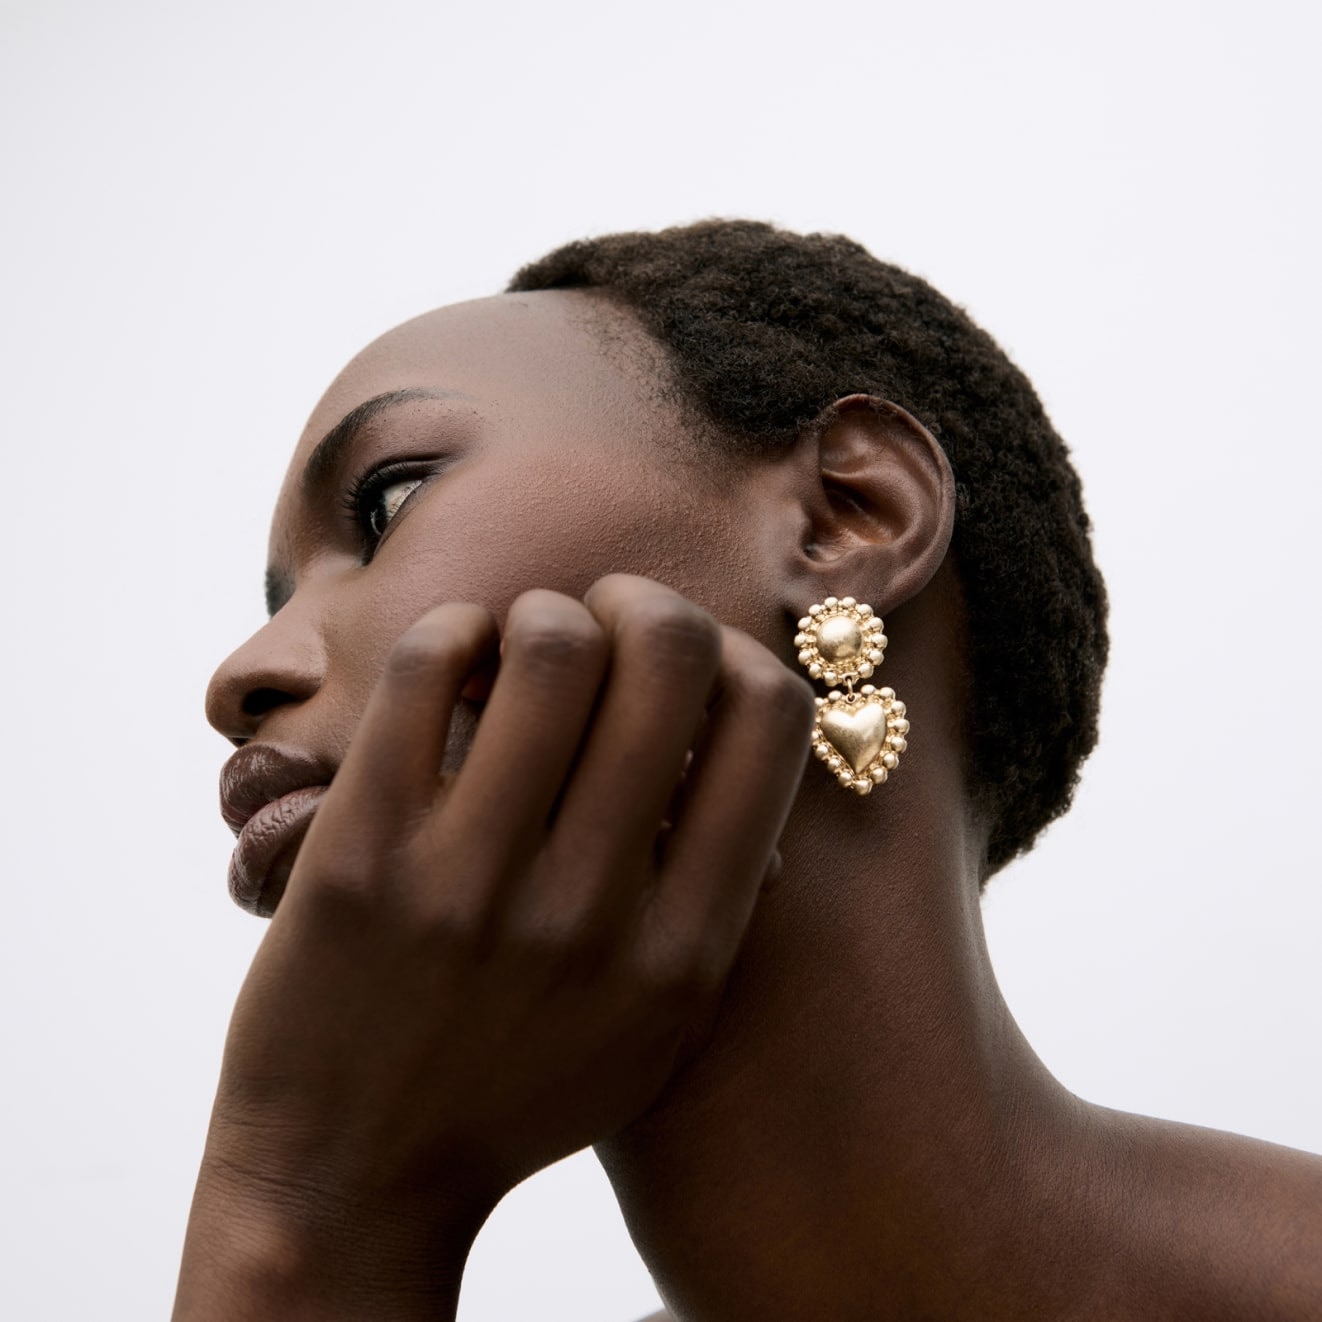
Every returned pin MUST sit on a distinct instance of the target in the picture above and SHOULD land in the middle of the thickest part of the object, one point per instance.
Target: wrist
(253, 1251)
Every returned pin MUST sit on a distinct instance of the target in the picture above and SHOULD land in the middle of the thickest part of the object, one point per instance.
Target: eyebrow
(326, 457)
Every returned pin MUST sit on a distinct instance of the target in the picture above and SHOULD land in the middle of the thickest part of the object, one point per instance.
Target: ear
(882, 508)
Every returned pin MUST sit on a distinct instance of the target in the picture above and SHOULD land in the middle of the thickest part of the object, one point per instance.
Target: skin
(796, 1067)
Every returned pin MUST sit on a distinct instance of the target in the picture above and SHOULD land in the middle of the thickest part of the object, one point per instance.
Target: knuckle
(536, 938)
(454, 916)
(375, 883)
(679, 978)
(340, 889)
(672, 629)
(450, 928)
(677, 991)
(614, 590)
(553, 939)
(352, 901)
(554, 637)
(778, 693)
(422, 653)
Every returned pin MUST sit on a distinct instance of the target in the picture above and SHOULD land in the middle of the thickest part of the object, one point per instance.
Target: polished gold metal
(859, 736)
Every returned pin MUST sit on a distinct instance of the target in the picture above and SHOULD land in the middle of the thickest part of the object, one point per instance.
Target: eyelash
(362, 495)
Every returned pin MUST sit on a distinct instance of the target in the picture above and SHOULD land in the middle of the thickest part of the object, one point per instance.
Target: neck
(866, 1097)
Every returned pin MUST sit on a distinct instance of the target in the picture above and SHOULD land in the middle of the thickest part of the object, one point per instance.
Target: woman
(541, 573)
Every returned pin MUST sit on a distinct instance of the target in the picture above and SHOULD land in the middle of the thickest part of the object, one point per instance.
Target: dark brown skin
(805, 1087)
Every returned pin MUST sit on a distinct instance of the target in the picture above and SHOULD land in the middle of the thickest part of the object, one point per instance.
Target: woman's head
(765, 329)
(700, 405)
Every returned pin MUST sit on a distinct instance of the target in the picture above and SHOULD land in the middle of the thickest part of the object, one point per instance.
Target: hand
(474, 975)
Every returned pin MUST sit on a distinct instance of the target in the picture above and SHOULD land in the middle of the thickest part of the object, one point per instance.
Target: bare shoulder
(1246, 1213)
(1262, 1180)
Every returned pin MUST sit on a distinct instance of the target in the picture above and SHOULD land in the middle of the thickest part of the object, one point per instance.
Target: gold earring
(859, 736)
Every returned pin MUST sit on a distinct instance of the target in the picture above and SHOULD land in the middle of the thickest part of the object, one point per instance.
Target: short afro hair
(765, 329)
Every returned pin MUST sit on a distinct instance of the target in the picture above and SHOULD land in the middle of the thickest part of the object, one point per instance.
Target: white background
(208, 208)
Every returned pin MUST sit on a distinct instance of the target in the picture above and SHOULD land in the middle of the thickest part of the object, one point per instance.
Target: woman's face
(519, 452)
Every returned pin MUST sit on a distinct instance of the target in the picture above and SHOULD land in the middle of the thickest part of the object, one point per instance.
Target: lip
(268, 796)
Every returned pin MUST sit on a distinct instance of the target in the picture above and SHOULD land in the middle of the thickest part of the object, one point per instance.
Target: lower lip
(267, 846)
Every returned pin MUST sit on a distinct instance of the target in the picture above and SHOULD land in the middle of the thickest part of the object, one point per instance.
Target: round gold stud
(840, 640)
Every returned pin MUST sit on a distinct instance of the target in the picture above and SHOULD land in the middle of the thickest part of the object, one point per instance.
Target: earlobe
(883, 510)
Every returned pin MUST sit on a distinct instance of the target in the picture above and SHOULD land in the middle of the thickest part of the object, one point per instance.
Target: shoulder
(1220, 1217)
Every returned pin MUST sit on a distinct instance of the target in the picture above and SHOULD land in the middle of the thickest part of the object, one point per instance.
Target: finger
(664, 656)
(388, 778)
(736, 796)
(554, 654)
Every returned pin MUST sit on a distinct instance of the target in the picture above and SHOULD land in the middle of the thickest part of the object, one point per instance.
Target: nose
(282, 663)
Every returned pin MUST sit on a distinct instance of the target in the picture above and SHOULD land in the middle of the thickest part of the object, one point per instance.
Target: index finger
(388, 779)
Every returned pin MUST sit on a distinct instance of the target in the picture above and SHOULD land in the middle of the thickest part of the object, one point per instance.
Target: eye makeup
(374, 500)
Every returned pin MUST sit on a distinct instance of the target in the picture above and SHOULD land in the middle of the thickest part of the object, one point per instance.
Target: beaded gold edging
(860, 736)
(840, 640)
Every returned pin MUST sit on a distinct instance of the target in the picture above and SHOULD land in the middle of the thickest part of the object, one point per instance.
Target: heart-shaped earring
(859, 736)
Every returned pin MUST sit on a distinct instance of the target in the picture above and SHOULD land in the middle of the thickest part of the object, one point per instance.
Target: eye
(376, 498)
(385, 504)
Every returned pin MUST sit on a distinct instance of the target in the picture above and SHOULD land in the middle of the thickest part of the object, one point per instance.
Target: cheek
(501, 531)
(497, 534)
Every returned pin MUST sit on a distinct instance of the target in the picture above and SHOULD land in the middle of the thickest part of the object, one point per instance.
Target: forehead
(544, 388)
(511, 357)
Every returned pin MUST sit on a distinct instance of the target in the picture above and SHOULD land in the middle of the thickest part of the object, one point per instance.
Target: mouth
(267, 847)
(268, 797)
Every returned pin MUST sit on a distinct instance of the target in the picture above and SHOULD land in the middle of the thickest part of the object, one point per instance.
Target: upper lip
(259, 774)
